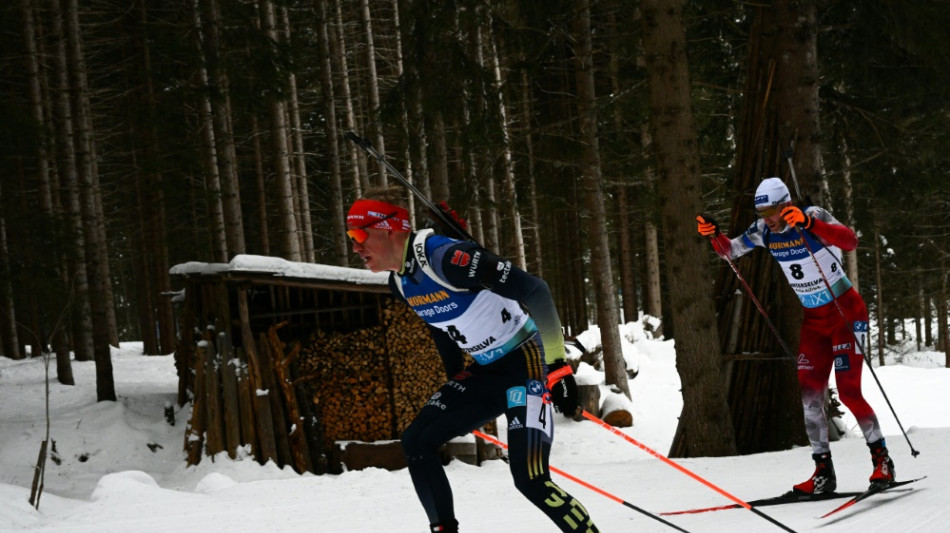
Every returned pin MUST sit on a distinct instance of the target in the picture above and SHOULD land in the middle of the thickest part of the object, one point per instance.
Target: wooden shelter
(312, 366)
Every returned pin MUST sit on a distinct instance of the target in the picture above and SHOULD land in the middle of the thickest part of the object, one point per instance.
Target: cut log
(589, 398)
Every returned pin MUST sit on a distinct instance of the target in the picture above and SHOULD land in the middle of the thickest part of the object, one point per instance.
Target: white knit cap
(771, 192)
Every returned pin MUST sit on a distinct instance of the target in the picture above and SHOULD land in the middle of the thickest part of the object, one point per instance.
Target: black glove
(563, 388)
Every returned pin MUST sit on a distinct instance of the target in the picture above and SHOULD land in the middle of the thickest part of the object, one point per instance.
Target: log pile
(417, 369)
(369, 384)
(346, 377)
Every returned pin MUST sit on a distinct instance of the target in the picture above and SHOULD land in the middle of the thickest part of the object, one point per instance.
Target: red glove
(707, 226)
(794, 217)
(452, 213)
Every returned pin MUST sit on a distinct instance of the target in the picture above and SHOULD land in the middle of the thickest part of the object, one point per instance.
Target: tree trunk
(628, 283)
(608, 317)
(337, 41)
(286, 202)
(850, 258)
(418, 139)
(653, 297)
(224, 149)
(260, 187)
(411, 141)
(515, 249)
(942, 312)
(9, 341)
(920, 310)
(155, 225)
(96, 256)
(69, 175)
(796, 94)
(481, 168)
(628, 265)
(881, 315)
(375, 132)
(471, 176)
(705, 424)
(439, 178)
(298, 158)
(209, 156)
(534, 226)
(339, 240)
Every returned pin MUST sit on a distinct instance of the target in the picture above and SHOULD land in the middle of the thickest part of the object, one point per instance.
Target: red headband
(370, 214)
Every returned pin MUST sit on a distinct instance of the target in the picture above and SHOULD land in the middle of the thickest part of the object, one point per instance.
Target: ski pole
(444, 219)
(723, 254)
(583, 483)
(857, 340)
(682, 469)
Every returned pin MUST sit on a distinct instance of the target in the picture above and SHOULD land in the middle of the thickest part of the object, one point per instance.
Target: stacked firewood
(416, 366)
(368, 384)
(347, 376)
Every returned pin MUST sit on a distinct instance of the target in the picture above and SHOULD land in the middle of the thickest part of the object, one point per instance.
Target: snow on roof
(283, 268)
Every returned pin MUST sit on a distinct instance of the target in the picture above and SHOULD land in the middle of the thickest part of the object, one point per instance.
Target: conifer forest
(580, 138)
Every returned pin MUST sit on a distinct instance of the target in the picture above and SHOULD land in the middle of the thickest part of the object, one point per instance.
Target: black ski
(874, 489)
(789, 497)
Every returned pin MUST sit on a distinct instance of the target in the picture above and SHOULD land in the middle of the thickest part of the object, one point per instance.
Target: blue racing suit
(478, 303)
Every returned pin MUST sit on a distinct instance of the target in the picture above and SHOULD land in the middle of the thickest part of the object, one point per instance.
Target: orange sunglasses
(769, 211)
(359, 234)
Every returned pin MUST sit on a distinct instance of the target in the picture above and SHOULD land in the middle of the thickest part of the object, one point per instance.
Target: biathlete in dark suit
(480, 304)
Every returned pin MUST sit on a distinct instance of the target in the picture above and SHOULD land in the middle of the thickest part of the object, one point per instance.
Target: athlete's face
(381, 250)
(772, 216)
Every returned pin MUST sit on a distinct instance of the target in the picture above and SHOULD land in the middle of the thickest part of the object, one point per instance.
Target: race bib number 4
(540, 414)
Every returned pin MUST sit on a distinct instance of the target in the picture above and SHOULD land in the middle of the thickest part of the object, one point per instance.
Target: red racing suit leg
(827, 341)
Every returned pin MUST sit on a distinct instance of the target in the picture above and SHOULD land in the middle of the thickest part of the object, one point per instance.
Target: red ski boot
(823, 480)
(883, 465)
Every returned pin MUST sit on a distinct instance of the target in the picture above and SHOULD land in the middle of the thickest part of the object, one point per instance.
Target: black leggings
(513, 385)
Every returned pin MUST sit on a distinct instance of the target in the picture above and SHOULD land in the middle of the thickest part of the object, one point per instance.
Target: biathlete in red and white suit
(828, 339)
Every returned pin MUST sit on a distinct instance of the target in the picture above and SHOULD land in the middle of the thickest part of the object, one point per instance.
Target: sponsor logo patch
(535, 387)
(842, 363)
(804, 363)
(461, 258)
(517, 397)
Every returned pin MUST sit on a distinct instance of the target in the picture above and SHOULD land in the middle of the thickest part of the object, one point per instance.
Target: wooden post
(246, 403)
(185, 352)
(263, 420)
(194, 433)
(215, 421)
(298, 440)
(279, 418)
(229, 393)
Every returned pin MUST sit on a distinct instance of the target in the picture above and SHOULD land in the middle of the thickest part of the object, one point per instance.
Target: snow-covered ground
(121, 468)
